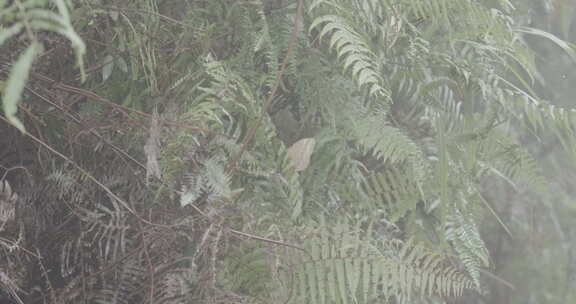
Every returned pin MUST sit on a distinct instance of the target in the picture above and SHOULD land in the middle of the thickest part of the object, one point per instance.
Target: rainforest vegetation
(287, 151)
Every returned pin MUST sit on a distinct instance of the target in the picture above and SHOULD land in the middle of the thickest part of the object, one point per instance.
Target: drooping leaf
(301, 152)
(16, 82)
(570, 49)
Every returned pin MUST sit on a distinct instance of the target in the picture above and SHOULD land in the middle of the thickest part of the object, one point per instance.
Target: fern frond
(352, 50)
(192, 190)
(504, 159)
(175, 287)
(387, 143)
(129, 277)
(217, 180)
(106, 229)
(346, 266)
(395, 190)
(462, 232)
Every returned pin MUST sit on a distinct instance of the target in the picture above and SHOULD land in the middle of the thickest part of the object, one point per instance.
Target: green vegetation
(286, 151)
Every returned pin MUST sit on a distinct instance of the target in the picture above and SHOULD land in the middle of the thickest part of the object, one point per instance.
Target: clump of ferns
(347, 262)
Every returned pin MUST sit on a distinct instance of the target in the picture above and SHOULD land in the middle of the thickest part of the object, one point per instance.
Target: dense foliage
(275, 151)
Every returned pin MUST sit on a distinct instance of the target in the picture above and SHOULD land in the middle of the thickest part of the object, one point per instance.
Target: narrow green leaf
(63, 9)
(77, 42)
(568, 48)
(16, 82)
(8, 32)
